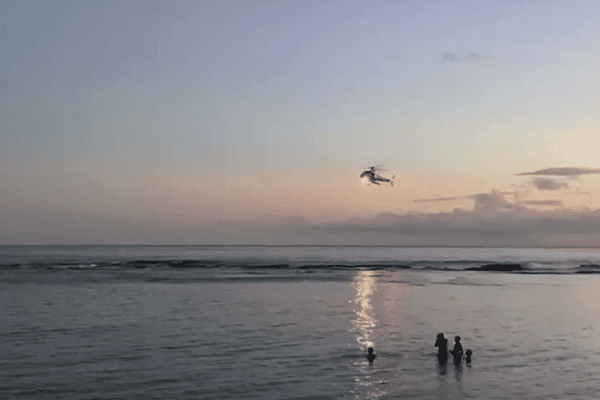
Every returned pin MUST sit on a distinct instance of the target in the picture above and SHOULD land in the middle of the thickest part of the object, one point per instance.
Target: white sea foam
(432, 258)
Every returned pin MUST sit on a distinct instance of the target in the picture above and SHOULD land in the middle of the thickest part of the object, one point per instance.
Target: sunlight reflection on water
(365, 321)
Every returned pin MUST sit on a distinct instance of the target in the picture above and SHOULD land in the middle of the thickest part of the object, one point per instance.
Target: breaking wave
(300, 258)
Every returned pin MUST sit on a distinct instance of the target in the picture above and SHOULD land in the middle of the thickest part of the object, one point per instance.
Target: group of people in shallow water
(442, 344)
(457, 352)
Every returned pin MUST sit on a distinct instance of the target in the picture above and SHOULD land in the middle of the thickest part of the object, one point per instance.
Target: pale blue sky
(118, 107)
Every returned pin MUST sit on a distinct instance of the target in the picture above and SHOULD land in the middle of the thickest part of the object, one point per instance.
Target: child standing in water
(457, 351)
(469, 353)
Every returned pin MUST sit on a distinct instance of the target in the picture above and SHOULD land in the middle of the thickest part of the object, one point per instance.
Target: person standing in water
(442, 344)
(371, 356)
(457, 351)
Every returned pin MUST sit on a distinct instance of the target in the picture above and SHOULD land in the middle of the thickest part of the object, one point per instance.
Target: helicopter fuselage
(374, 177)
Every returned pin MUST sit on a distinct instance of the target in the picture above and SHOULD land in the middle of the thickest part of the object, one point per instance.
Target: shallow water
(276, 333)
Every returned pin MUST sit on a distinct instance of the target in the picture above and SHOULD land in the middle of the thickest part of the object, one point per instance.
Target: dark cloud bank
(493, 221)
(550, 178)
(566, 171)
(548, 184)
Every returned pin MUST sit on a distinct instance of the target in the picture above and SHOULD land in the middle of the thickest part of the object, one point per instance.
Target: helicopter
(372, 176)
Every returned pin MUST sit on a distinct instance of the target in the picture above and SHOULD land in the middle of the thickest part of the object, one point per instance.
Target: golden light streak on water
(365, 322)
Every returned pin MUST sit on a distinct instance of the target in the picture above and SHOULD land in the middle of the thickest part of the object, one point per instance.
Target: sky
(249, 122)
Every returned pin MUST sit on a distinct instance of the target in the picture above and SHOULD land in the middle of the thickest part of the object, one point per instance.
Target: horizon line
(296, 245)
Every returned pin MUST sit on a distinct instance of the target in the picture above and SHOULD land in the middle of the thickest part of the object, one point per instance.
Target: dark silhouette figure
(468, 354)
(371, 356)
(457, 351)
(374, 177)
(442, 344)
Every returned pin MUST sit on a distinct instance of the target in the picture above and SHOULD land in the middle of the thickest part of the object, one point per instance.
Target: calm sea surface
(195, 322)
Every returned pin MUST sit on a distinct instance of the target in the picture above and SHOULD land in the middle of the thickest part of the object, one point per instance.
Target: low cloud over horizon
(564, 171)
(549, 184)
(551, 203)
(554, 179)
(493, 220)
(496, 218)
(436, 199)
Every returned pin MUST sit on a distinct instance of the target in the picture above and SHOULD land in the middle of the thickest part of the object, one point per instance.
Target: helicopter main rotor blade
(379, 167)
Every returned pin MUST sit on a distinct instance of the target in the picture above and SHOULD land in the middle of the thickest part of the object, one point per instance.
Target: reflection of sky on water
(365, 321)
(364, 324)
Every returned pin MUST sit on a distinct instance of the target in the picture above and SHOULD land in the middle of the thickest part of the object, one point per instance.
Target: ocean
(260, 322)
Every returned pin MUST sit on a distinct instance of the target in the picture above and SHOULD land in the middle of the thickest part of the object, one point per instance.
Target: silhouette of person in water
(371, 356)
(457, 351)
(468, 354)
(442, 344)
